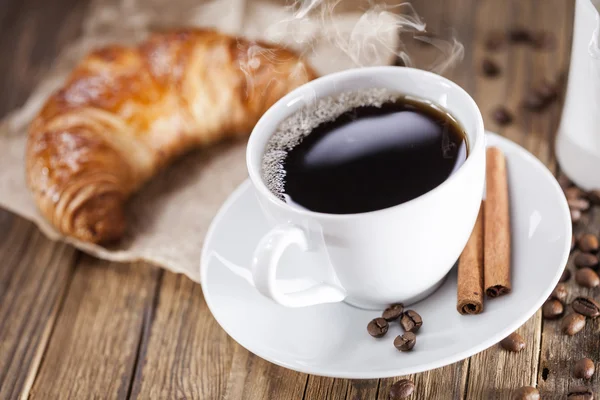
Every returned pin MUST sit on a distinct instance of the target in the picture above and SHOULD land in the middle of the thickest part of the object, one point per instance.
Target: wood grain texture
(187, 355)
(34, 276)
(448, 382)
(35, 273)
(93, 348)
(320, 387)
(560, 352)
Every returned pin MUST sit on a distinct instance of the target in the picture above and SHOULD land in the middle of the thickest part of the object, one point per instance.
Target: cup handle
(264, 269)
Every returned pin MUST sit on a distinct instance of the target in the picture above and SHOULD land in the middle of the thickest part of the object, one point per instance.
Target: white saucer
(332, 339)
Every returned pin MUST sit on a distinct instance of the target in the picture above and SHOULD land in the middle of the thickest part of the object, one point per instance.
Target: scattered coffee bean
(588, 243)
(566, 275)
(378, 327)
(411, 321)
(548, 91)
(559, 293)
(534, 101)
(573, 193)
(587, 277)
(552, 309)
(580, 393)
(575, 216)
(490, 68)
(564, 181)
(494, 41)
(393, 312)
(513, 342)
(401, 389)
(544, 41)
(502, 116)
(584, 369)
(572, 323)
(585, 260)
(405, 342)
(526, 393)
(519, 35)
(578, 204)
(586, 306)
(594, 196)
(572, 242)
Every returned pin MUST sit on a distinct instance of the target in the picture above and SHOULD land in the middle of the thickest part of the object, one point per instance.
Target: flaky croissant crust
(125, 112)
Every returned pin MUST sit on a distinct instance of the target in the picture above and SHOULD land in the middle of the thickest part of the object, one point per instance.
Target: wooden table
(75, 327)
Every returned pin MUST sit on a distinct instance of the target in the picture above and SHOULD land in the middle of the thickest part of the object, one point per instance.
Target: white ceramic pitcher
(578, 140)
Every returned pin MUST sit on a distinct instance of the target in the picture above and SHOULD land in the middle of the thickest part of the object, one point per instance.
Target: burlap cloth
(169, 217)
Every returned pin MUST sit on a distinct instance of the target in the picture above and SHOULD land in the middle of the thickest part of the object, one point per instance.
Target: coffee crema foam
(299, 125)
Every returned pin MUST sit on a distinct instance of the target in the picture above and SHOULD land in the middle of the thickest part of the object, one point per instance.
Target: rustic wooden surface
(75, 327)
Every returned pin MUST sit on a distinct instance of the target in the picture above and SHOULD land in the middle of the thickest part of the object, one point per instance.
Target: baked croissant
(125, 112)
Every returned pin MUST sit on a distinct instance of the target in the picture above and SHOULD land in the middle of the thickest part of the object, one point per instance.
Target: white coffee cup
(397, 254)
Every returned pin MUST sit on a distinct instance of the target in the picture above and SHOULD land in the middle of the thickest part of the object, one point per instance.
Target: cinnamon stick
(470, 271)
(497, 252)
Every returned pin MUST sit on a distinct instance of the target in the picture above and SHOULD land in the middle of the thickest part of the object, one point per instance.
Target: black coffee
(369, 157)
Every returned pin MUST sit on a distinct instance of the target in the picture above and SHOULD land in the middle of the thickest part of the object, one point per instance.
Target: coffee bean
(526, 393)
(586, 306)
(585, 260)
(584, 369)
(401, 389)
(564, 181)
(502, 116)
(552, 309)
(594, 196)
(587, 277)
(575, 215)
(405, 342)
(572, 242)
(393, 312)
(519, 35)
(573, 192)
(566, 275)
(588, 243)
(513, 342)
(544, 41)
(559, 293)
(572, 323)
(580, 393)
(548, 91)
(378, 327)
(494, 41)
(534, 101)
(578, 204)
(411, 321)
(490, 68)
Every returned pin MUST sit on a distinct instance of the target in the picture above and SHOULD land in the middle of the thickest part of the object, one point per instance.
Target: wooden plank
(547, 66)
(187, 355)
(92, 352)
(34, 275)
(509, 370)
(447, 382)
(319, 387)
(559, 352)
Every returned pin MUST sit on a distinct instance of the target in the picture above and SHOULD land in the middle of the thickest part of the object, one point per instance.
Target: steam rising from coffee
(365, 39)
